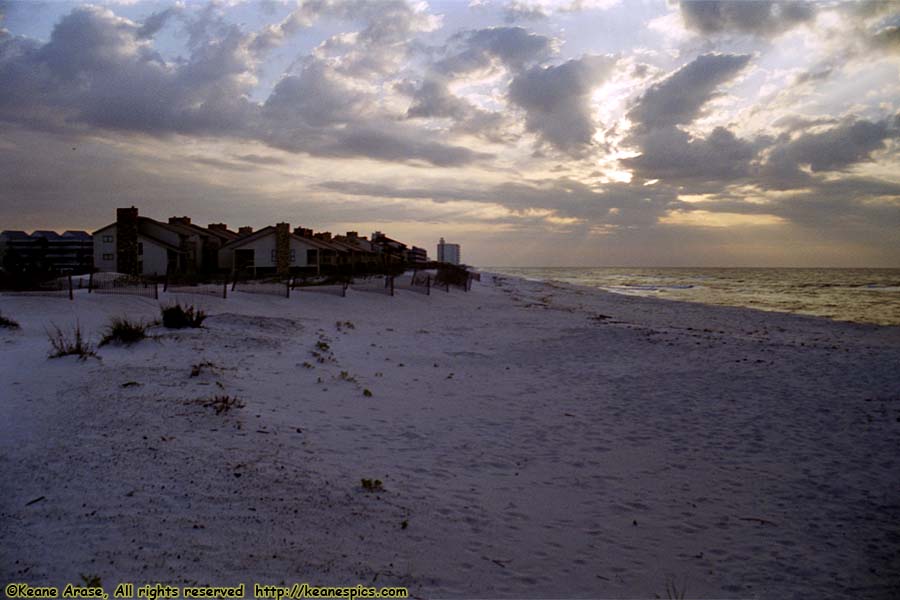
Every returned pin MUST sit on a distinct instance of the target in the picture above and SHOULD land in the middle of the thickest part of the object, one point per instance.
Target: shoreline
(549, 439)
(692, 287)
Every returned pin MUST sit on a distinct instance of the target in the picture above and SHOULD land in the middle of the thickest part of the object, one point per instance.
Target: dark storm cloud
(755, 17)
(556, 101)
(680, 97)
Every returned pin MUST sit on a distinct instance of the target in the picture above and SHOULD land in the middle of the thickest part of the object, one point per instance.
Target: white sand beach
(533, 440)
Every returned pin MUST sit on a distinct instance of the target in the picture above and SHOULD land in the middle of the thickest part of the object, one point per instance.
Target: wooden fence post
(71, 295)
(428, 286)
(225, 289)
(91, 282)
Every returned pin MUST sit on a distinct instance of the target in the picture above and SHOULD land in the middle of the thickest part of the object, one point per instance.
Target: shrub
(74, 344)
(8, 323)
(372, 485)
(198, 368)
(222, 404)
(122, 331)
(180, 317)
(90, 581)
(673, 590)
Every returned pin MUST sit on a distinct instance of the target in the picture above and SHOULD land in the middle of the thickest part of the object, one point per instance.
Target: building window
(312, 257)
(140, 248)
(274, 260)
(108, 257)
(293, 256)
(107, 239)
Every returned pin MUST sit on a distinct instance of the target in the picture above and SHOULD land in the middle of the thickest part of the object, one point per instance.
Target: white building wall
(155, 259)
(262, 253)
(299, 248)
(163, 233)
(105, 248)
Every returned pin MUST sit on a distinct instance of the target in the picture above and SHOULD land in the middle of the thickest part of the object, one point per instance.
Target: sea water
(860, 295)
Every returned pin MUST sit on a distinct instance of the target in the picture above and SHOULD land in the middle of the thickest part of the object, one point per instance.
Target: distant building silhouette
(46, 252)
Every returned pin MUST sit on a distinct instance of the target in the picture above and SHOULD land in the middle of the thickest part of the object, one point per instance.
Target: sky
(531, 132)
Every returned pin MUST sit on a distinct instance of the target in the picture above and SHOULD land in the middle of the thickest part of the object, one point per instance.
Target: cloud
(474, 50)
(433, 99)
(533, 10)
(674, 156)
(155, 22)
(754, 17)
(556, 101)
(680, 97)
(101, 71)
(381, 44)
(260, 160)
(390, 143)
(473, 53)
(522, 11)
(887, 39)
(850, 142)
(315, 97)
(98, 70)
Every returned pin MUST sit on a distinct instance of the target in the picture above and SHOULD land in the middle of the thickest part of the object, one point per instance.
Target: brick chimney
(179, 220)
(283, 248)
(245, 230)
(127, 240)
(218, 227)
(325, 235)
(303, 232)
(352, 235)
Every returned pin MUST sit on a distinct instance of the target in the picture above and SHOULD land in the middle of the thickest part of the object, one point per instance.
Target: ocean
(859, 295)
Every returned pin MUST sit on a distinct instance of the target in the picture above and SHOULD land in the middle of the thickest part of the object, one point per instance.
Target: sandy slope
(534, 447)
